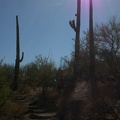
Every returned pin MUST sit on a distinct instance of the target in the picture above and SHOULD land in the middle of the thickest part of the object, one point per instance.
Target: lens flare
(95, 3)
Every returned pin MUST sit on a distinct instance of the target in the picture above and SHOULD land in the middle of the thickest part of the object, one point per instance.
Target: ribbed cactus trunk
(18, 60)
(92, 51)
(91, 37)
(77, 40)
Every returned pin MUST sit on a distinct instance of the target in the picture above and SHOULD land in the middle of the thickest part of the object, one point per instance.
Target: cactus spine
(76, 28)
(18, 60)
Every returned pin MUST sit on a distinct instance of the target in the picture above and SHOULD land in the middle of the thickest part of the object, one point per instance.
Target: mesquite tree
(18, 60)
(76, 28)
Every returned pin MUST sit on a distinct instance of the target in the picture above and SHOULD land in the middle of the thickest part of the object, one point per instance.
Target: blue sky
(44, 26)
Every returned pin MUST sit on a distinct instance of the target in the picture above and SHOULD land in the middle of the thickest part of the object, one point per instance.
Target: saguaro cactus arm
(72, 24)
(22, 57)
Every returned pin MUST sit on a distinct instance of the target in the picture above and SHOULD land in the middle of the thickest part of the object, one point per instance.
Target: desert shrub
(12, 110)
(4, 88)
(9, 108)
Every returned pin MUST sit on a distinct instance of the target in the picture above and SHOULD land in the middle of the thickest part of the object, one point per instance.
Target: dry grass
(13, 110)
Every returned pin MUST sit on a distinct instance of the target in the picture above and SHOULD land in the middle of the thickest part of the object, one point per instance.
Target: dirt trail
(44, 109)
(79, 98)
(81, 92)
(74, 103)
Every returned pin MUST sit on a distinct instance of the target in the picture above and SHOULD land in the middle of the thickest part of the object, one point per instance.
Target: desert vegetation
(44, 88)
(85, 86)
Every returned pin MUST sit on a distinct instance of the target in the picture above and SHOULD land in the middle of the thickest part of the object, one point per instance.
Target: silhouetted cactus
(92, 52)
(91, 39)
(72, 24)
(18, 60)
(76, 28)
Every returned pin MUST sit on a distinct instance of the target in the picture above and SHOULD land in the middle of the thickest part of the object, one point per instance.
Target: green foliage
(107, 36)
(13, 110)
(30, 71)
(107, 48)
(66, 68)
(9, 109)
(65, 75)
(4, 90)
(40, 73)
(46, 71)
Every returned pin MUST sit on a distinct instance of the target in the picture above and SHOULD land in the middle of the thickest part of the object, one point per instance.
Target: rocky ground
(78, 106)
(37, 109)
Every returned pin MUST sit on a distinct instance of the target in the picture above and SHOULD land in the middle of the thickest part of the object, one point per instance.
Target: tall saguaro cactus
(92, 51)
(91, 37)
(76, 28)
(18, 60)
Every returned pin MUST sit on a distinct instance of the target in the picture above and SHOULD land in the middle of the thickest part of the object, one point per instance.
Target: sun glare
(96, 2)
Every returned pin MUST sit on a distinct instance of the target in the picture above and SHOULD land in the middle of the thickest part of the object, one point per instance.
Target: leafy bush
(9, 108)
